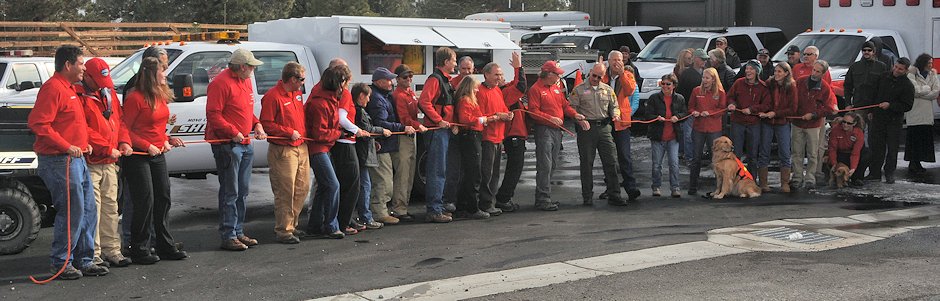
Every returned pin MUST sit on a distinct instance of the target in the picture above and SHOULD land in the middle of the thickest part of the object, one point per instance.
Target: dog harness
(742, 170)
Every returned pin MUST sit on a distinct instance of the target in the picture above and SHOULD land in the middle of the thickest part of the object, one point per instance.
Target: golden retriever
(840, 176)
(731, 176)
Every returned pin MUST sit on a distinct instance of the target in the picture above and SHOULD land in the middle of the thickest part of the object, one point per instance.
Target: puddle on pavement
(865, 203)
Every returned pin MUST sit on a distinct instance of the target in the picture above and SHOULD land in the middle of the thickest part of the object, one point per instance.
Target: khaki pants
(381, 186)
(403, 163)
(107, 237)
(804, 144)
(290, 182)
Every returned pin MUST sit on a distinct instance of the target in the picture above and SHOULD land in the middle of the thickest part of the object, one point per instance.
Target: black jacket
(725, 75)
(898, 92)
(656, 106)
(862, 79)
(365, 146)
(731, 58)
(688, 80)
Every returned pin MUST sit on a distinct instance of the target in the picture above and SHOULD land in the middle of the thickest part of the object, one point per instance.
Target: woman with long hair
(705, 102)
(469, 139)
(919, 145)
(321, 113)
(145, 116)
(774, 123)
(683, 61)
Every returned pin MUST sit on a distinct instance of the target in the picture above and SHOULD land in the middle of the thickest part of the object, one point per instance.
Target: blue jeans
(661, 148)
(622, 139)
(436, 172)
(325, 207)
(746, 138)
(80, 194)
(233, 163)
(685, 145)
(767, 134)
(365, 194)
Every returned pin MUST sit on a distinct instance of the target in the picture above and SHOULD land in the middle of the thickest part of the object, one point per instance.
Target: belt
(599, 122)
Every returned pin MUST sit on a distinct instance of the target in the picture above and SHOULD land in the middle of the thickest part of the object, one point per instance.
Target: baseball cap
(98, 70)
(553, 67)
(792, 49)
(382, 73)
(763, 51)
(403, 69)
(244, 57)
(700, 53)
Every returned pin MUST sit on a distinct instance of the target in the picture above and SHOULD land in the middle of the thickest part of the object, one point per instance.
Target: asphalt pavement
(418, 252)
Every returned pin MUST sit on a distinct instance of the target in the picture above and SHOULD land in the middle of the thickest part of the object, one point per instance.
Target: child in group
(365, 150)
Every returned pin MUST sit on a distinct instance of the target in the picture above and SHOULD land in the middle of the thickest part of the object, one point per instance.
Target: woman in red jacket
(322, 121)
(774, 123)
(469, 139)
(704, 103)
(145, 116)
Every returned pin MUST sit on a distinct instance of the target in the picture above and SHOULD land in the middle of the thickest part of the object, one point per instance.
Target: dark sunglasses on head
(867, 50)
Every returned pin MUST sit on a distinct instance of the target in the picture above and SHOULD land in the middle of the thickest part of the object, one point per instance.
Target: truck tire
(13, 183)
(19, 220)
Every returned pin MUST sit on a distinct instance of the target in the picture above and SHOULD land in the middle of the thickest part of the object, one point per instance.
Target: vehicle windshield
(666, 49)
(3, 69)
(126, 69)
(579, 41)
(838, 50)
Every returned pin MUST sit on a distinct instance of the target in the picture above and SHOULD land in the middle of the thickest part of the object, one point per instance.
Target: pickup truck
(24, 74)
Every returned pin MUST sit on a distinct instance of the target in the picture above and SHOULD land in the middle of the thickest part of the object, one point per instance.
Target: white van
(536, 18)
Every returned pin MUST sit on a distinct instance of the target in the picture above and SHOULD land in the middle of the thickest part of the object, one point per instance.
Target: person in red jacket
(847, 145)
(749, 95)
(468, 140)
(230, 119)
(490, 99)
(814, 103)
(704, 103)
(58, 121)
(321, 115)
(282, 114)
(805, 69)
(516, 133)
(437, 103)
(105, 129)
(774, 122)
(549, 106)
(145, 116)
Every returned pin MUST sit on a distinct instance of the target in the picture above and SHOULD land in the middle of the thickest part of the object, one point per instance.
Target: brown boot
(762, 175)
(785, 179)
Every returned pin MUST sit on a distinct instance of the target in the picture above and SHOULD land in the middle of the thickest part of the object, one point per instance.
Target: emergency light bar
(208, 36)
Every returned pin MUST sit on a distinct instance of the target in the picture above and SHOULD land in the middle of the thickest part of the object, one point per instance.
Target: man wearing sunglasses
(805, 69)
(598, 103)
(861, 81)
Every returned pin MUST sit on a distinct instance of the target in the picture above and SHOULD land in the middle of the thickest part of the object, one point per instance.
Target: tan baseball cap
(244, 57)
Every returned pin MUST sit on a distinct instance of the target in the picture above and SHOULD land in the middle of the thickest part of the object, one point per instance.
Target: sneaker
(547, 206)
(633, 194)
(70, 272)
(657, 192)
(248, 241)
(494, 211)
(172, 255)
(228, 244)
(388, 220)
(676, 194)
(372, 225)
(404, 217)
(508, 206)
(289, 240)
(118, 260)
(438, 218)
(350, 231)
(94, 270)
(450, 207)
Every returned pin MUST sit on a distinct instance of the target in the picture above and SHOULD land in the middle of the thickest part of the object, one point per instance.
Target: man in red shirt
(549, 106)
(403, 161)
(230, 119)
(517, 131)
(490, 99)
(437, 103)
(105, 130)
(814, 99)
(465, 67)
(282, 114)
(58, 121)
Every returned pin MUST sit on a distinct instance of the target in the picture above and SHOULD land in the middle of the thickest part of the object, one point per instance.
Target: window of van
(773, 41)
(204, 66)
(24, 75)
(647, 37)
(267, 75)
(376, 54)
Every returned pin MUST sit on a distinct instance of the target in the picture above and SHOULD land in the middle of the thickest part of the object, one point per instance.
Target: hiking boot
(118, 260)
(616, 201)
(508, 206)
(228, 244)
(248, 241)
(657, 192)
(372, 225)
(494, 211)
(404, 217)
(388, 220)
(547, 206)
(70, 272)
(143, 257)
(94, 270)
(172, 255)
(633, 194)
(438, 218)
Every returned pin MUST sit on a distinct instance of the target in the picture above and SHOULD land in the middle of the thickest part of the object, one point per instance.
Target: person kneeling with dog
(846, 150)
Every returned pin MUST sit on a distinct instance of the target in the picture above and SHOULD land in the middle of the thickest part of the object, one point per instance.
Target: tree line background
(249, 11)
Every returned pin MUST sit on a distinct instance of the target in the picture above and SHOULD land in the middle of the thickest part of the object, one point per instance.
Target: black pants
(453, 173)
(846, 158)
(346, 166)
(885, 135)
(470, 156)
(148, 185)
(515, 160)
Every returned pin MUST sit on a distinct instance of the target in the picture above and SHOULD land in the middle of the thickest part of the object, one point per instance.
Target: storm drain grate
(794, 235)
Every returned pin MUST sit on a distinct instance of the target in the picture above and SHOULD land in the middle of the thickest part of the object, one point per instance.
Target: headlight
(650, 85)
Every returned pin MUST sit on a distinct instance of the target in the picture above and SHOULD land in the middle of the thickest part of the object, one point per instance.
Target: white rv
(536, 18)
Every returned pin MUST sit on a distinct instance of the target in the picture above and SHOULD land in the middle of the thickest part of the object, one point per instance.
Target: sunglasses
(867, 50)
(406, 76)
(596, 76)
(299, 78)
(808, 54)
(849, 123)
(667, 83)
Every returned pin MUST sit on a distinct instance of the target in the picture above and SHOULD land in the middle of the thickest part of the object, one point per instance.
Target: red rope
(68, 222)
(547, 118)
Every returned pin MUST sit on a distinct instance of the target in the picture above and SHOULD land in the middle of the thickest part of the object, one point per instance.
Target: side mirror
(183, 88)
